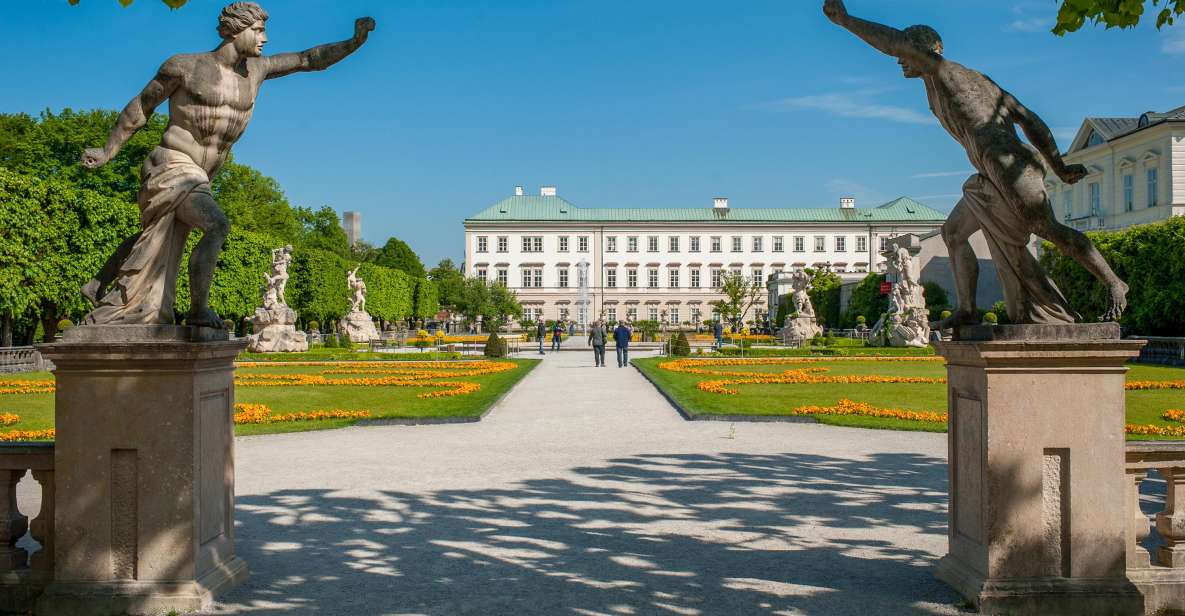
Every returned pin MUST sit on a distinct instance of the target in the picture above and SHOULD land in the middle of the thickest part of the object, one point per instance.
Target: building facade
(1133, 176)
(352, 225)
(664, 264)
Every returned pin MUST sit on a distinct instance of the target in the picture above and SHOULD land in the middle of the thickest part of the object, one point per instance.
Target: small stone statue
(211, 97)
(274, 323)
(1006, 198)
(907, 321)
(801, 325)
(358, 325)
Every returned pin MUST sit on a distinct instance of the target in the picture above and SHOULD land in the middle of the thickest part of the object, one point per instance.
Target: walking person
(541, 334)
(621, 338)
(718, 334)
(597, 337)
(557, 335)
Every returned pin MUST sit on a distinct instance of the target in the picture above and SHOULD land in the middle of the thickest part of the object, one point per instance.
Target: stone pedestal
(144, 461)
(1036, 445)
(275, 331)
(797, 329)
(358, 326)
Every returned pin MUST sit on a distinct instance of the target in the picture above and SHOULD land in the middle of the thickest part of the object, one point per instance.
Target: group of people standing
(598, 338)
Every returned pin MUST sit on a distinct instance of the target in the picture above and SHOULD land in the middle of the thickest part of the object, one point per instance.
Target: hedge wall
(1147, 257)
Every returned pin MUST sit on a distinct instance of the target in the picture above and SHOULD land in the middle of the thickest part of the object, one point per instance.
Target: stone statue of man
(358, 287)
(211, 97)
(1006, 198)
(281, 259)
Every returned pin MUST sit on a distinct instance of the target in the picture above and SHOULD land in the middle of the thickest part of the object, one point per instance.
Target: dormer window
(1143, 121)
(1094, 139)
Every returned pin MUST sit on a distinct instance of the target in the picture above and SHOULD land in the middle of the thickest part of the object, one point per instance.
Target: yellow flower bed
(863, 409)
(13, 386)
(793, 376)
(406, 374)
(262, 414)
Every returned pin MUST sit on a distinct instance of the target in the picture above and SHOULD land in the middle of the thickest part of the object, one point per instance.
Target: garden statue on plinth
(358, 325)
(274, 323)
(800, 324)
(1037, 516)
(907, 322)
(144, 455)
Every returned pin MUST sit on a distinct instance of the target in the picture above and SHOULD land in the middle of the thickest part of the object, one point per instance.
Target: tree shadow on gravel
(733, 534)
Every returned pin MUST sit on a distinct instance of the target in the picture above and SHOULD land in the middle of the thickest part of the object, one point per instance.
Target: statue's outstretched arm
(135, 115)
(1042, 138)
(321, 57)
(885, 39)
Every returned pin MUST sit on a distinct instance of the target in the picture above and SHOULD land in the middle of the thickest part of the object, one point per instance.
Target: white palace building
(655, 263)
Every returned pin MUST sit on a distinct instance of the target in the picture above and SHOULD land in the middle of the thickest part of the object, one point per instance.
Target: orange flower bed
(863, 409)
(793, 376)
(262, 414)
(28, 435)
(406, 374)
(15, 386)
(1142, 385)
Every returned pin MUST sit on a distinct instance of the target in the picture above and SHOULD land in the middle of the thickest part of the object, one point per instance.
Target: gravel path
(585, 493)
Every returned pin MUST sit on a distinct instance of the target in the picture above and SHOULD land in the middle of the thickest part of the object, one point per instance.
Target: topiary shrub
(314, 326)
(495, 346)
(991, 318)
(65, 324)
(946, 314)
(680, 346)
(228, 325)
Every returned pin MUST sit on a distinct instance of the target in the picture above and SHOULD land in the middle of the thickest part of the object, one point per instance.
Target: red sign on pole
(886, 288)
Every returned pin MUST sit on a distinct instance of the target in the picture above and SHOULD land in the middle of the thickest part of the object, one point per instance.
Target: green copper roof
(557, 209)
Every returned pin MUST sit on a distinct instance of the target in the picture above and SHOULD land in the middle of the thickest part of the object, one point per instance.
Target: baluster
(42, 527)
(1170, 523)
(1140, 528)
(12, 524)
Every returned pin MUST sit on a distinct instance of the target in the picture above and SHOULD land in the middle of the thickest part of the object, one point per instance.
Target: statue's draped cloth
(1029, 293)
(146, 286)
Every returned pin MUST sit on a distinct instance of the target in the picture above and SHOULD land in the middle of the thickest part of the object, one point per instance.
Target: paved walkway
(585, 493)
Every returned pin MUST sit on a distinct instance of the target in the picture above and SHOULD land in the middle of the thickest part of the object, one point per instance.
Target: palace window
(563, 243)
(861, 243)
(738, 243)
(673, 316)
(717, 277)
(631, 243)
(759, 275)
(503, 277)
(1153, 187)
(652, 278)
(532, 243)
(673, 278)
(481, 274)
(841, 243)
(611, 244)
(673, 243)
(1068, 203)
(716, 244)
(779, 244)
(1129, 192)
(582, 243)
(693, 243)
(532, 278)
(611, 315)
(695, 316)
(652, 243)
(884, 243)
(631, 278)
(758, 244)
(503, 243)
(799, 243)
(611, 278)
(483, 243)
(631, 314)
(1096, 199)
(652, 313)
(820, 243)
(563, 272)
(695, 278)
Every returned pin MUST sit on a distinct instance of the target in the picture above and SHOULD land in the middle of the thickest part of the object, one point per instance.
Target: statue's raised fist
(93, 158)
(363, 26)
(834, 9)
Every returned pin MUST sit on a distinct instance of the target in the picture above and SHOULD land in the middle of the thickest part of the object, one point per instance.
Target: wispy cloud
(857, 104)
(1172, 41)
(1031, 17)
(846, 187)
(941, 174)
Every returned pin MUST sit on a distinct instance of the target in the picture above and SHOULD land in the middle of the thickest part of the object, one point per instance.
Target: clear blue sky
(633, 103)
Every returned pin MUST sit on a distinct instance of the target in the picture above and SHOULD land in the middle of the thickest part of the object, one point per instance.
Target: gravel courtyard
(584, 492)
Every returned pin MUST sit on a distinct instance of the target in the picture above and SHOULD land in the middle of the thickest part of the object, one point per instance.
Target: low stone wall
(22, 359)
(1163, 350)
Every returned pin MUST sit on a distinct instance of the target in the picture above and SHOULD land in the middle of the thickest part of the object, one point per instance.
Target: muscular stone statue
(357, 286)
(211, 97)
(1006, 198)
(281, 259)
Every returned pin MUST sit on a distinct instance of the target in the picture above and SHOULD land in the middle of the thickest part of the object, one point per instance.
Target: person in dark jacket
(541, 334)
(718, 334)
(557, 335)
(597, 337)
(621, 338)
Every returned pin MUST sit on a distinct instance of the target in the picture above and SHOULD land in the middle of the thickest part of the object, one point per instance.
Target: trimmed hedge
(1149, 259)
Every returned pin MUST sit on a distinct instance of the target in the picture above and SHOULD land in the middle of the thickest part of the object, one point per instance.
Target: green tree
(449, 282)
(426, 302)
(396, 254)
(254, 202)
(389, 292)
(866, 300)
(320, 230)
(741, 293)
(1073, 14)
(317, 289)
(239, 278)
(824, 293)
(937, 299)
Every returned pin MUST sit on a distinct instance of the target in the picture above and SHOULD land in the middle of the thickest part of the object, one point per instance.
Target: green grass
(36, 410)
(1143, 407)
(334, 354)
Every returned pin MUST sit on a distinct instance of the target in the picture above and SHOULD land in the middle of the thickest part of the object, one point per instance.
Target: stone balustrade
(1157, 567)
(23, 578)
(21, 359)
(1163, 350)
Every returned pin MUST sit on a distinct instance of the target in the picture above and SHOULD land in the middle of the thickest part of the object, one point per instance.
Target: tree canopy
(396, 254)
(1073, 14)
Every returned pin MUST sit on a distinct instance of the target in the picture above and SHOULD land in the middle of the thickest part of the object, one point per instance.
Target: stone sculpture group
(801, 324)
(357, 325)
(274, 323)
(907, 322)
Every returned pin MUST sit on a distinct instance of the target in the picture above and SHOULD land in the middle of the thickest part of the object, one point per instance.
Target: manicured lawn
(383, 401)
(1143, 407)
